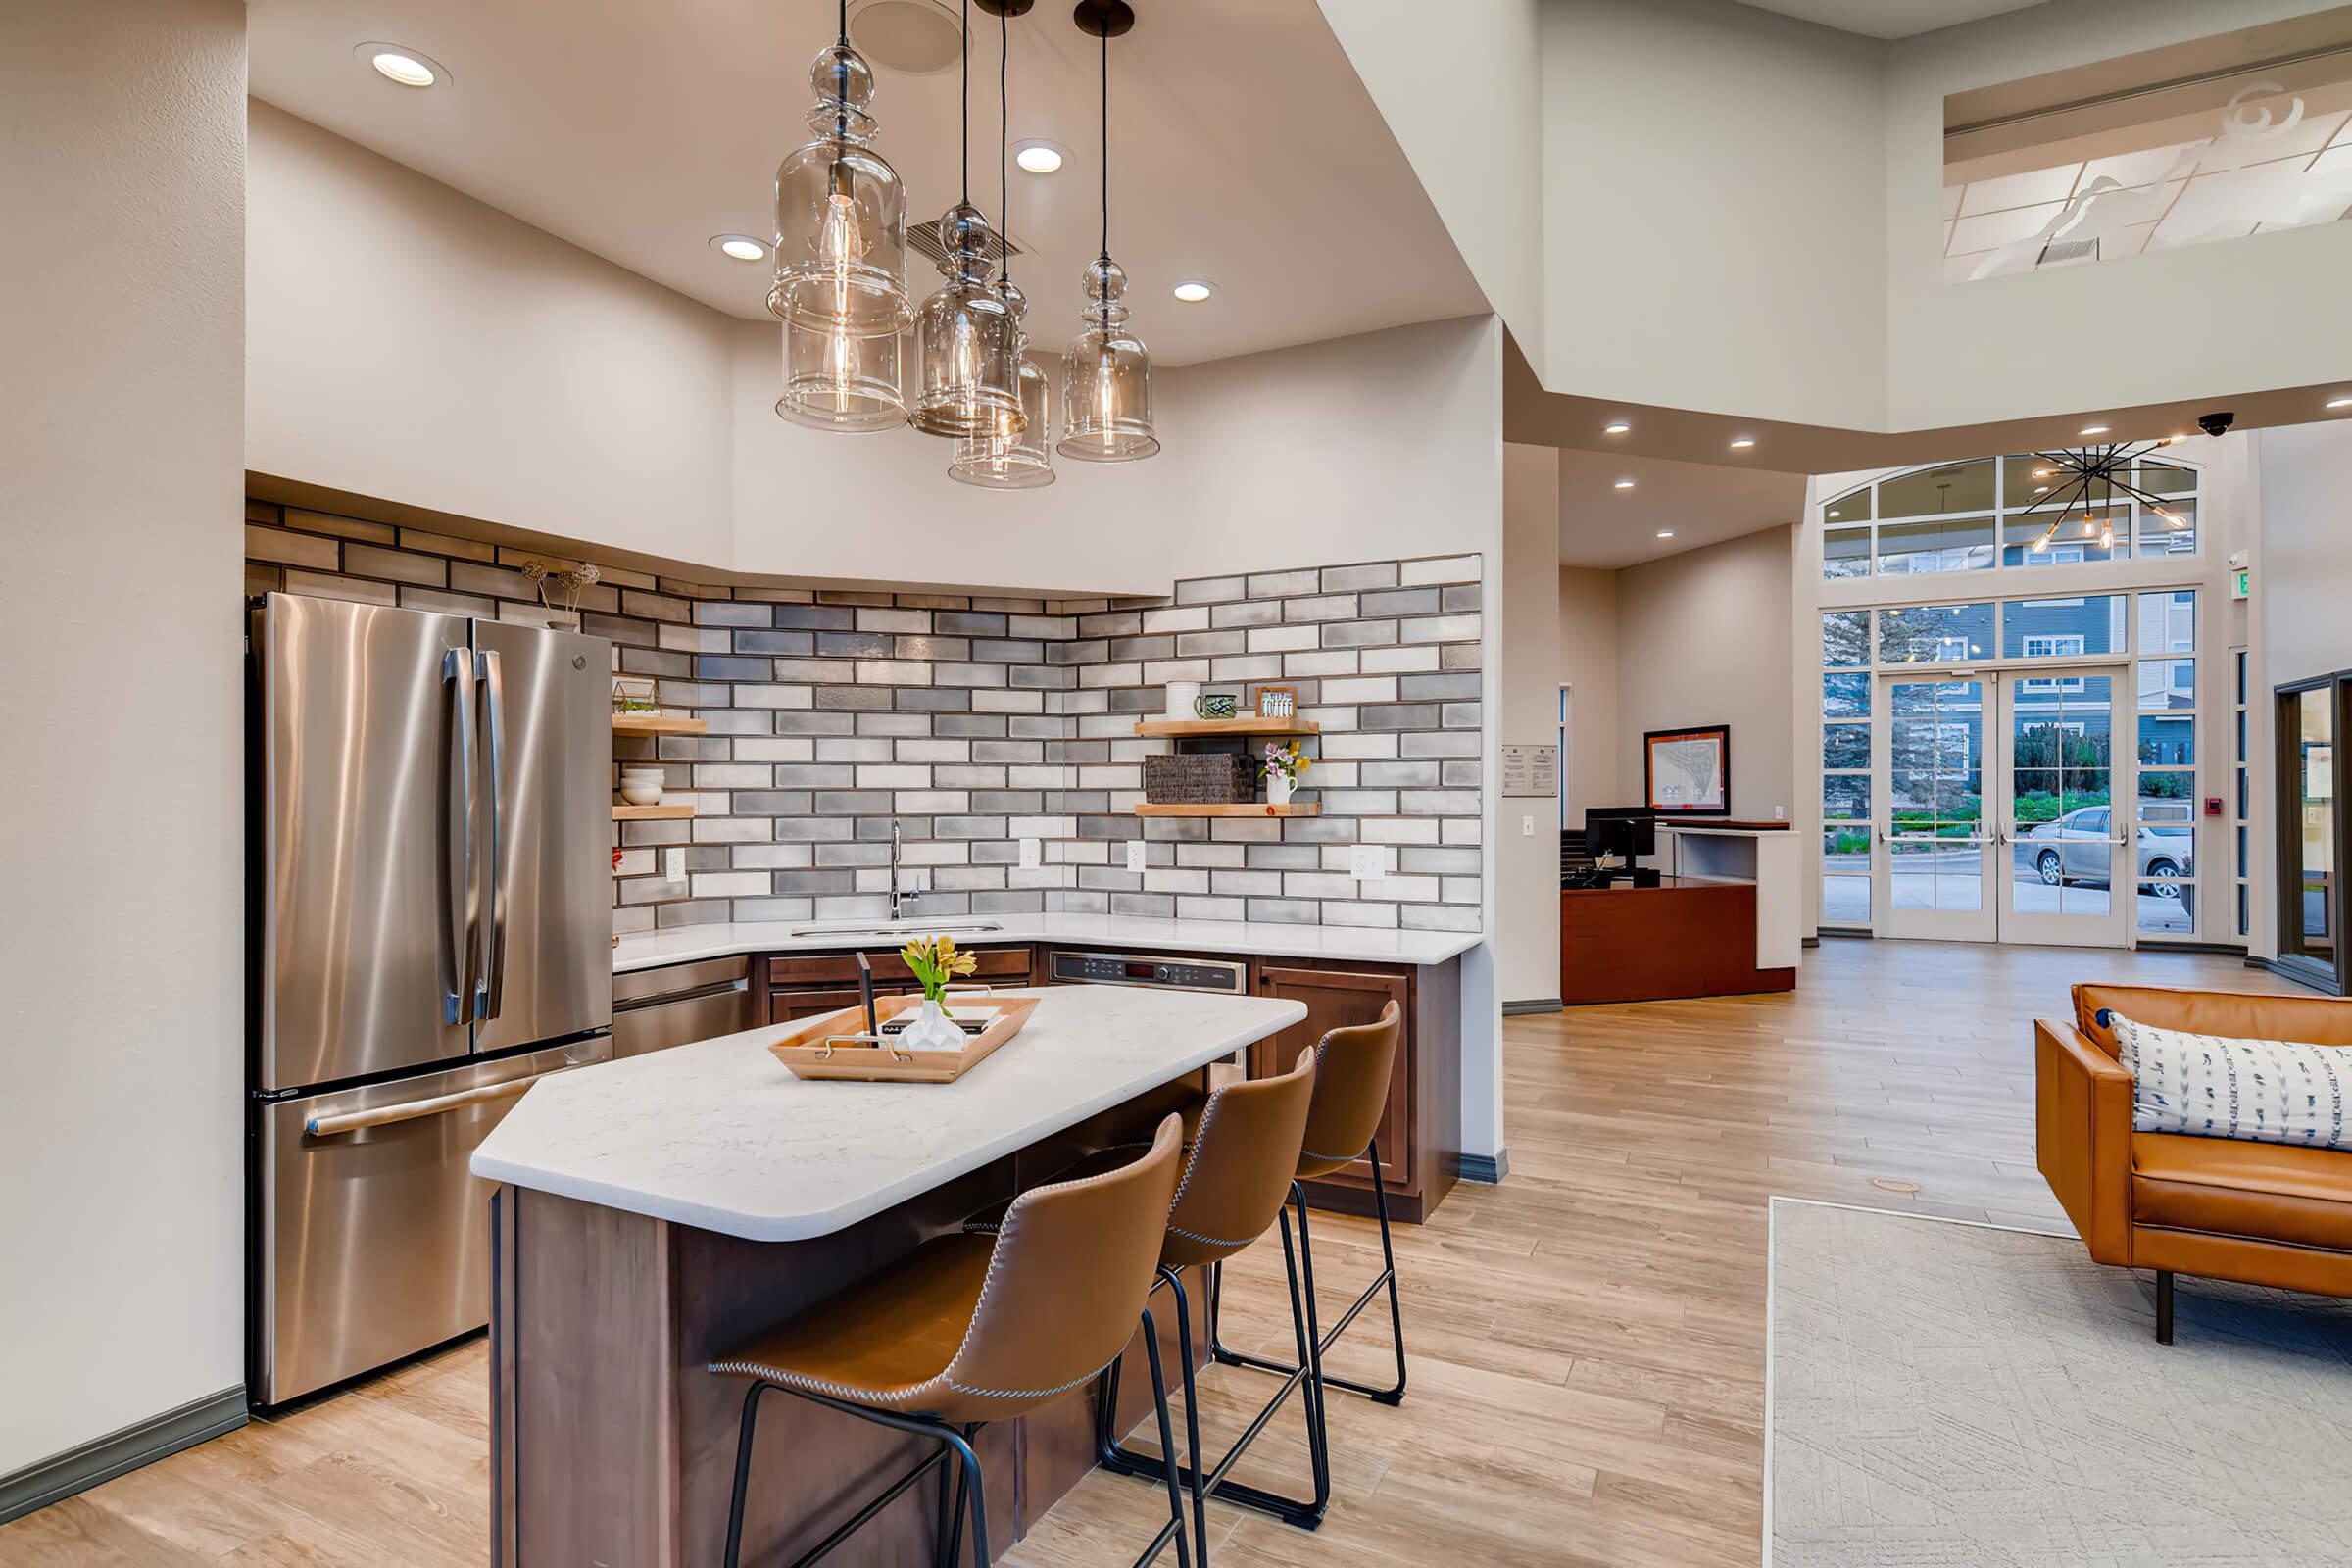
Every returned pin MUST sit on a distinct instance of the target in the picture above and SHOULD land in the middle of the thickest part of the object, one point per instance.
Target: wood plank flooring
(1587, 1339)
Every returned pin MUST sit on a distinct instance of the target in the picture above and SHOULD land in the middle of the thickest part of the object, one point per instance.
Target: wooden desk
(1682, 938)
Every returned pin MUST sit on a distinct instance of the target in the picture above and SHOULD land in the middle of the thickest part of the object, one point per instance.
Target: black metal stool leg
(971, 1483)
(1167, 1449)
(951, 1517)
(1319, 1432)
(742, 1474)
(1191, 1412)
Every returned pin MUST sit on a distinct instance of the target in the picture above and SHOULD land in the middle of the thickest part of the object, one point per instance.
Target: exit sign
(2238, 582)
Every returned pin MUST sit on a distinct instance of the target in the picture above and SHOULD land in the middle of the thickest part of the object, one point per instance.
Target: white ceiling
(1891, 19)
(1243, 148)
(1702, 503)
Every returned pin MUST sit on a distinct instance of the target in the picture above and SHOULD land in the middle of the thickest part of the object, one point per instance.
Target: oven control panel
(1141, 969)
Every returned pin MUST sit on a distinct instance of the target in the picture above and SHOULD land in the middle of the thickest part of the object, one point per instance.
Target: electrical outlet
(1032, 855)
(1367, 862)
(674, 864)
(1780, 814)
(1526, 828)
(1135, 856)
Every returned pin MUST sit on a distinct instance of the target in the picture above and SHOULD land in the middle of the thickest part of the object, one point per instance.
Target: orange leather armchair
(2275, 1214)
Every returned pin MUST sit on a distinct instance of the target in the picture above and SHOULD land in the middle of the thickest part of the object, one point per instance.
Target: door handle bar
(458, 955)
(490, 987)
(352, 1121)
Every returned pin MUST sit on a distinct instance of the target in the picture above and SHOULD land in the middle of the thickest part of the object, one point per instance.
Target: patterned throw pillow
(2208, 1086)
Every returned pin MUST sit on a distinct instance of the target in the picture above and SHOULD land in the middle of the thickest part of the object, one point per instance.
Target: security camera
(2216, 423)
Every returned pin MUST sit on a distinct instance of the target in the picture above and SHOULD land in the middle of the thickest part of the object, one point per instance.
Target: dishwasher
(653, 1009)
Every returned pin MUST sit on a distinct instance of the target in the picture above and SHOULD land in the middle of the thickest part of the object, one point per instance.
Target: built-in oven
(1067, 967)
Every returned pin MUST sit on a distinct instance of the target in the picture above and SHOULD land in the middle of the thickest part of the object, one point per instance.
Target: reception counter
(1723, 920)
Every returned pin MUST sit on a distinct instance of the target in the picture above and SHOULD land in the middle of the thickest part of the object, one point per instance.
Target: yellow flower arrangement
(935, 961)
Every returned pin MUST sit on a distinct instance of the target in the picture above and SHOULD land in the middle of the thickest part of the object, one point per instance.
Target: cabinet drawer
(783, 1006)
(999, 966)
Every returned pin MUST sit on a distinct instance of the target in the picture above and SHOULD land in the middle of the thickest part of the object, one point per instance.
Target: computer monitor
(1626, 832)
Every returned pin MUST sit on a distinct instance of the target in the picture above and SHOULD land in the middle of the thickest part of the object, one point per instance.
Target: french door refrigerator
(431, 932)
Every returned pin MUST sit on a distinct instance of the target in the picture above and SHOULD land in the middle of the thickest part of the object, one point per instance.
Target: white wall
(1704, 638)
(2244, 314)
(1527, 926)
(1588, 669)
(408, 342)
(1387, 444)
(1712, 197)
(2306, 477)
(122, 1058)
(1461, 90)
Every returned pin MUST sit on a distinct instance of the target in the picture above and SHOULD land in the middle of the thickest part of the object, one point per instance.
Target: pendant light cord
(1107, 142)
(1004, 139)
(966, 171)
(841, 79)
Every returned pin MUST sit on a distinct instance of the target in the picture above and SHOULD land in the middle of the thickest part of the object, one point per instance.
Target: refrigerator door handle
(459, 937)
(492, 985)
(352, 1121)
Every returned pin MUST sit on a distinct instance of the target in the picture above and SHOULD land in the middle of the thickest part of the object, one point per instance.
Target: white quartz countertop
(719, 1135)
(1116, 933)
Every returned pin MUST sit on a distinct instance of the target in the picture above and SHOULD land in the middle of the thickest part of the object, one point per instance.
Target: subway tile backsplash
(977, 721)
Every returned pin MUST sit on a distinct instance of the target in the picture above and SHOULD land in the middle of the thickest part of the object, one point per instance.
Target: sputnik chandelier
(2093, 479)
(839, 291)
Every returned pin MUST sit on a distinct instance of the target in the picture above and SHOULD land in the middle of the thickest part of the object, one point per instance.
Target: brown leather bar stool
(1351, 1092)
(972, 1328)
(1236, 1178)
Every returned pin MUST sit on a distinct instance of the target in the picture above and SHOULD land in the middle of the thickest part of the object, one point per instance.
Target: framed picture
(1688, 772)
(1278, 702)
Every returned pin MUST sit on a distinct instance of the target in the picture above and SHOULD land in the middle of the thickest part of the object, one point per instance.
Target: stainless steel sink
(904, 928)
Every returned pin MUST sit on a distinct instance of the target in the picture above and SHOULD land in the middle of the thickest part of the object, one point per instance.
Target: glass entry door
(2073, 853)
(1932, 880)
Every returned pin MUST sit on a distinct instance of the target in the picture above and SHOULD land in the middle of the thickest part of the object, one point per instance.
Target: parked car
(2087, 842)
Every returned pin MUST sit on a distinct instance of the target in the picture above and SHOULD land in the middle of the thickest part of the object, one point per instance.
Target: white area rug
(1948, 1395)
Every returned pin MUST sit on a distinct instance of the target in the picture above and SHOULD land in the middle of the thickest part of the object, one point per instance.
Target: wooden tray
(836, 1045)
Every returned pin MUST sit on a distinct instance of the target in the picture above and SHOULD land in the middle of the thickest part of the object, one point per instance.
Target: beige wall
(1588, 667)
(411, 343)
(1704, 638)
(1527, 846)
(2306, 575)
(121, 983)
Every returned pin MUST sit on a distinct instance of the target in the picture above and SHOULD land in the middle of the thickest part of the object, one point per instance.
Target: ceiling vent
(923, 238)
(2069, 250)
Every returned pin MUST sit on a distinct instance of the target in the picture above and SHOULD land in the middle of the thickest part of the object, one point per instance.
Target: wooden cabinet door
(783, 1006)
(1336, 999)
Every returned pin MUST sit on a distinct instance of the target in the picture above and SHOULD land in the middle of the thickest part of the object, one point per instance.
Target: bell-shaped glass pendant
(1106, 378)
(966, 341)
(841, 215)
(1019, 460)
(836, 380)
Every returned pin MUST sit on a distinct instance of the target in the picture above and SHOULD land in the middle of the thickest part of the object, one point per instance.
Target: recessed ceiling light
(739, 247)
(1665, 533)
(1740, 443)
(922, 38)
(2094, 429)
(2339, 402)
(1193, 290)
(1615, 428)
(1038, 156)
(397, 62)
(1625, 484)
(1833, 511)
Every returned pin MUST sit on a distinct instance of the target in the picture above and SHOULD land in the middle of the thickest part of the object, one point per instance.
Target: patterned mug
(1216, 705)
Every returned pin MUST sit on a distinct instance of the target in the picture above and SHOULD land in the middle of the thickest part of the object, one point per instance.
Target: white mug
(1180, 697)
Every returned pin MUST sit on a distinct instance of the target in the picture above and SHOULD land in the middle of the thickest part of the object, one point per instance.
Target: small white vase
(932, 1030)
(1279, 786)
(1180, 697)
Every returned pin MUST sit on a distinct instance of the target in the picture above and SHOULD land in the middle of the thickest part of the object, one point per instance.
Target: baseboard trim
(86, 1464)
(1515, 1009)
(2223, 949)
(2309, 979)
(1490, 1169)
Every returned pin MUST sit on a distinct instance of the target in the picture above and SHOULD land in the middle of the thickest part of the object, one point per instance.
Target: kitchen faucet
(898, 899)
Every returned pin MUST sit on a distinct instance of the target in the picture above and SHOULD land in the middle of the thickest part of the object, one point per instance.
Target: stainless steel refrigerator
(431, 932)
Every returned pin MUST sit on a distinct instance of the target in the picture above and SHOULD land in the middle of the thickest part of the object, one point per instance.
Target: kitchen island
(655, 1211)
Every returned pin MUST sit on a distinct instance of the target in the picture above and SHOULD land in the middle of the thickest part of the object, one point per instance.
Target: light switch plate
(1367, 862)
(1032, 855)
(1526, 828)
(1135, 856)
(674, 864)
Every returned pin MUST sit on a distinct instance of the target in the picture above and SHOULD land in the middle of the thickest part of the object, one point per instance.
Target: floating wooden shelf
(659, 724)
(652, 813)
(1237, 808)
(1245, 724)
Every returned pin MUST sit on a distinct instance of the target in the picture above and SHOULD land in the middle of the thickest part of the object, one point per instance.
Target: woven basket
(1198, 779)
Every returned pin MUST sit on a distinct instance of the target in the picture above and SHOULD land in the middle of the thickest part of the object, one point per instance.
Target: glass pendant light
(1107, 371)
(966, 341)
(1004, 459)
(840, 284)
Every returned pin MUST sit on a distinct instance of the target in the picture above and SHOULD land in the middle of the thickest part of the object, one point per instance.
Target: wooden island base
(612, 1444)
